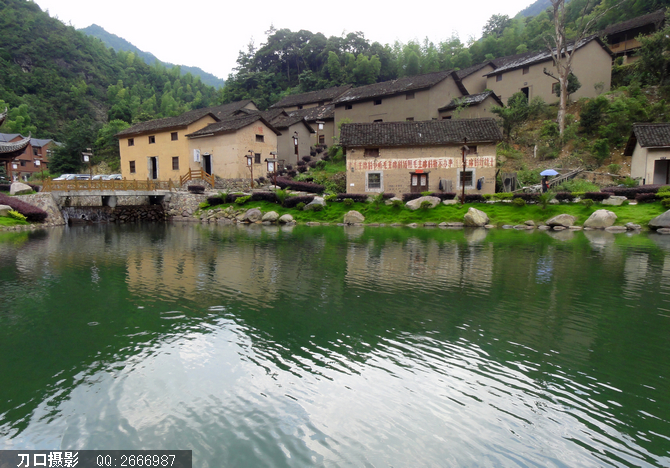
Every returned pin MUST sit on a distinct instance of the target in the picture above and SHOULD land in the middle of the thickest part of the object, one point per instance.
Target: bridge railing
(197, 174)
(94, 185)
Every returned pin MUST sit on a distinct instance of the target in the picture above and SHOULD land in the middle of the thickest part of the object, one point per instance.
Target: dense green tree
(80, 135)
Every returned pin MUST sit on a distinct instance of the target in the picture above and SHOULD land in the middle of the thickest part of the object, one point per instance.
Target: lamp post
(250, 165)
(86, 157)
(465, 150)
(319, 126)
(272, 166)
(295, 145)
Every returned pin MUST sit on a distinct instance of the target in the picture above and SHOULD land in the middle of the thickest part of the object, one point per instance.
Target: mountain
(118, 43)
(534, 9)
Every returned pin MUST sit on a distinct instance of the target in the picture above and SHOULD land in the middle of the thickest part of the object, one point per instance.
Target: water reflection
(330, 346)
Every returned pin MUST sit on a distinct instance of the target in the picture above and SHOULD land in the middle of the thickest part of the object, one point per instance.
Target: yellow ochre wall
(164, 149)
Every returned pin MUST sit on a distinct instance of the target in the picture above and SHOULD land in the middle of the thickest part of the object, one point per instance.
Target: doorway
(207, 163)
(662, 172)
(419, 183)
(526, 92)
(153, 167)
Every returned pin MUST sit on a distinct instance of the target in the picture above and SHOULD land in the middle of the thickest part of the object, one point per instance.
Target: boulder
(633, 227)
(4, 210)
(614, 200)
(600, 219)
(19, 188)
(475, 218)
(285, 219)
(252, 215)
(270, 216)
(661, 221)
(353, 217)
(663, 231)
(616, 229)
(416, 204)
(564, 220)
(391, 200)
(318, 201)
(450, 202)
(456, 224)
(529, 223)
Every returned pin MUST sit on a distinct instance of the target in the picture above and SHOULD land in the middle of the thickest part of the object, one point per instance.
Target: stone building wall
(46, 202)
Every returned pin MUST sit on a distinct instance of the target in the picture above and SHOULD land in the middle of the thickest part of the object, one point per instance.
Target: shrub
(261, 180)
(289, 167)
(597, 196)
(666, 203)
(242, 200)
(359, 197)
(587, 202)
(307, 158)
(312, 153)
(217, 200)
(645, 197)
(319, 150)
(331, 198)
(397, 203)
(317, 207)
(518, 201)
(16, 215)
(406, 197)
(264, 196)
(281, 196)
(425, 205)
(299, 186)
(312, 164)
(564, 196)
(348, 202)
(600, 149)
(578, 185)
(631, 192)
(203, 205)
(302, 169)
(474, 198)
(5, 187)
(32, 213)
(614, 168)
(301, 163)
(321, 165)
(196, 188)
(300, 206)
(291, 202)
(664, 189)
(527, 197)
(292, 174)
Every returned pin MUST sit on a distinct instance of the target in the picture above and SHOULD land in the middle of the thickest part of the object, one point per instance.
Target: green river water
(326, 346)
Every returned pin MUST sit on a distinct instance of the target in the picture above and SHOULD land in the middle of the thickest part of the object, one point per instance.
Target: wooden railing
(197, 174)
(562, 178)
(90, 185)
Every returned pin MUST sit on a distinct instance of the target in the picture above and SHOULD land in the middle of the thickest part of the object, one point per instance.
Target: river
(329, 346)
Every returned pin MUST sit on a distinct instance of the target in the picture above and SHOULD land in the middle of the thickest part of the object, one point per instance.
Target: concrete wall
(164, 149)
(399, 108)
(591, 64)
(476, 83)
(228, 151)
(643, 163)
(398, 164)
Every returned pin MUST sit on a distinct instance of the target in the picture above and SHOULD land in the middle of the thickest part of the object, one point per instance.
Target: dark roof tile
(183, 120)
(327, 94)
(232, 124)
(652, 19)
(316, 113)
(471, 100)
(424, 133)
(648, 135)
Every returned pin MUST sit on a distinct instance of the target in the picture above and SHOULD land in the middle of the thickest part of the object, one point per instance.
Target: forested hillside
(293, 62)
(120, 44)
(59, 83)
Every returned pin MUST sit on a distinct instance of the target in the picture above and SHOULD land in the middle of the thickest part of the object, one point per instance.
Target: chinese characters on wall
(421, 163)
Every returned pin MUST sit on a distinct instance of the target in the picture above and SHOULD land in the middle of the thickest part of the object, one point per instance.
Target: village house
(158, 150)
(34, 157)
(649, 146)
(591, 64)
(408, 98)
(622, 38)
(408, 157)
(471, 107)
(322, 121)
(226, 144)
(311, 99)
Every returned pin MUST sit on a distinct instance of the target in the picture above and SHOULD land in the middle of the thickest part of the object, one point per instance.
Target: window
(260, 138)
(322, 139)
(499, 77)
(377, 121)
(466, 178)
(131, 141)
(378, 102)
(257, 158)
(23, 163)
(299, 106)
(373, 182)
(132, 167)
(525, 70)
(409, 96)
(152, 139)
(473, 149)
(174, 136)
(371, 153)
(448, 117)
(410, 119)
(348, 107)
(175, 163)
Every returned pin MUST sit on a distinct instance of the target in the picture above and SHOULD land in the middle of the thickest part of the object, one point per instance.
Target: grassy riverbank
(499, 213)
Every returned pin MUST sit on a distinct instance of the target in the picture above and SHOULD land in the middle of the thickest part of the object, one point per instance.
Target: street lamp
(86, 157)
(272, 166)
(250, 165)
(295, 144)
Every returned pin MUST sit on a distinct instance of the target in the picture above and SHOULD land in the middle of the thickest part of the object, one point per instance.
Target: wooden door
(419, 183)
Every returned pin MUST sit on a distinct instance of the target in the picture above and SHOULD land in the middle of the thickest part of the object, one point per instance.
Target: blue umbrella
(548, 172)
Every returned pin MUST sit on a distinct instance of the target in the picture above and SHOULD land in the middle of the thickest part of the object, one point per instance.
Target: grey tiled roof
(40, 142)
(656, 19)
(327, 94)
(512, 62)
(285, 122)
(425, 133)
(464, 73)
(401, 85)
(228, 110)
(648, 135)
(183, 120)
(232, 124)
(471, 100)
(12, 149)
(316, 113)
(9, 136)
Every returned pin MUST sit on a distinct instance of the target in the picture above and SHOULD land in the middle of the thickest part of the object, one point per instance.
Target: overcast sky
(210, 33)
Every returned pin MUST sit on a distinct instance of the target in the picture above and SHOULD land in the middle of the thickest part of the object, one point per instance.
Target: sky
(210, 33)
